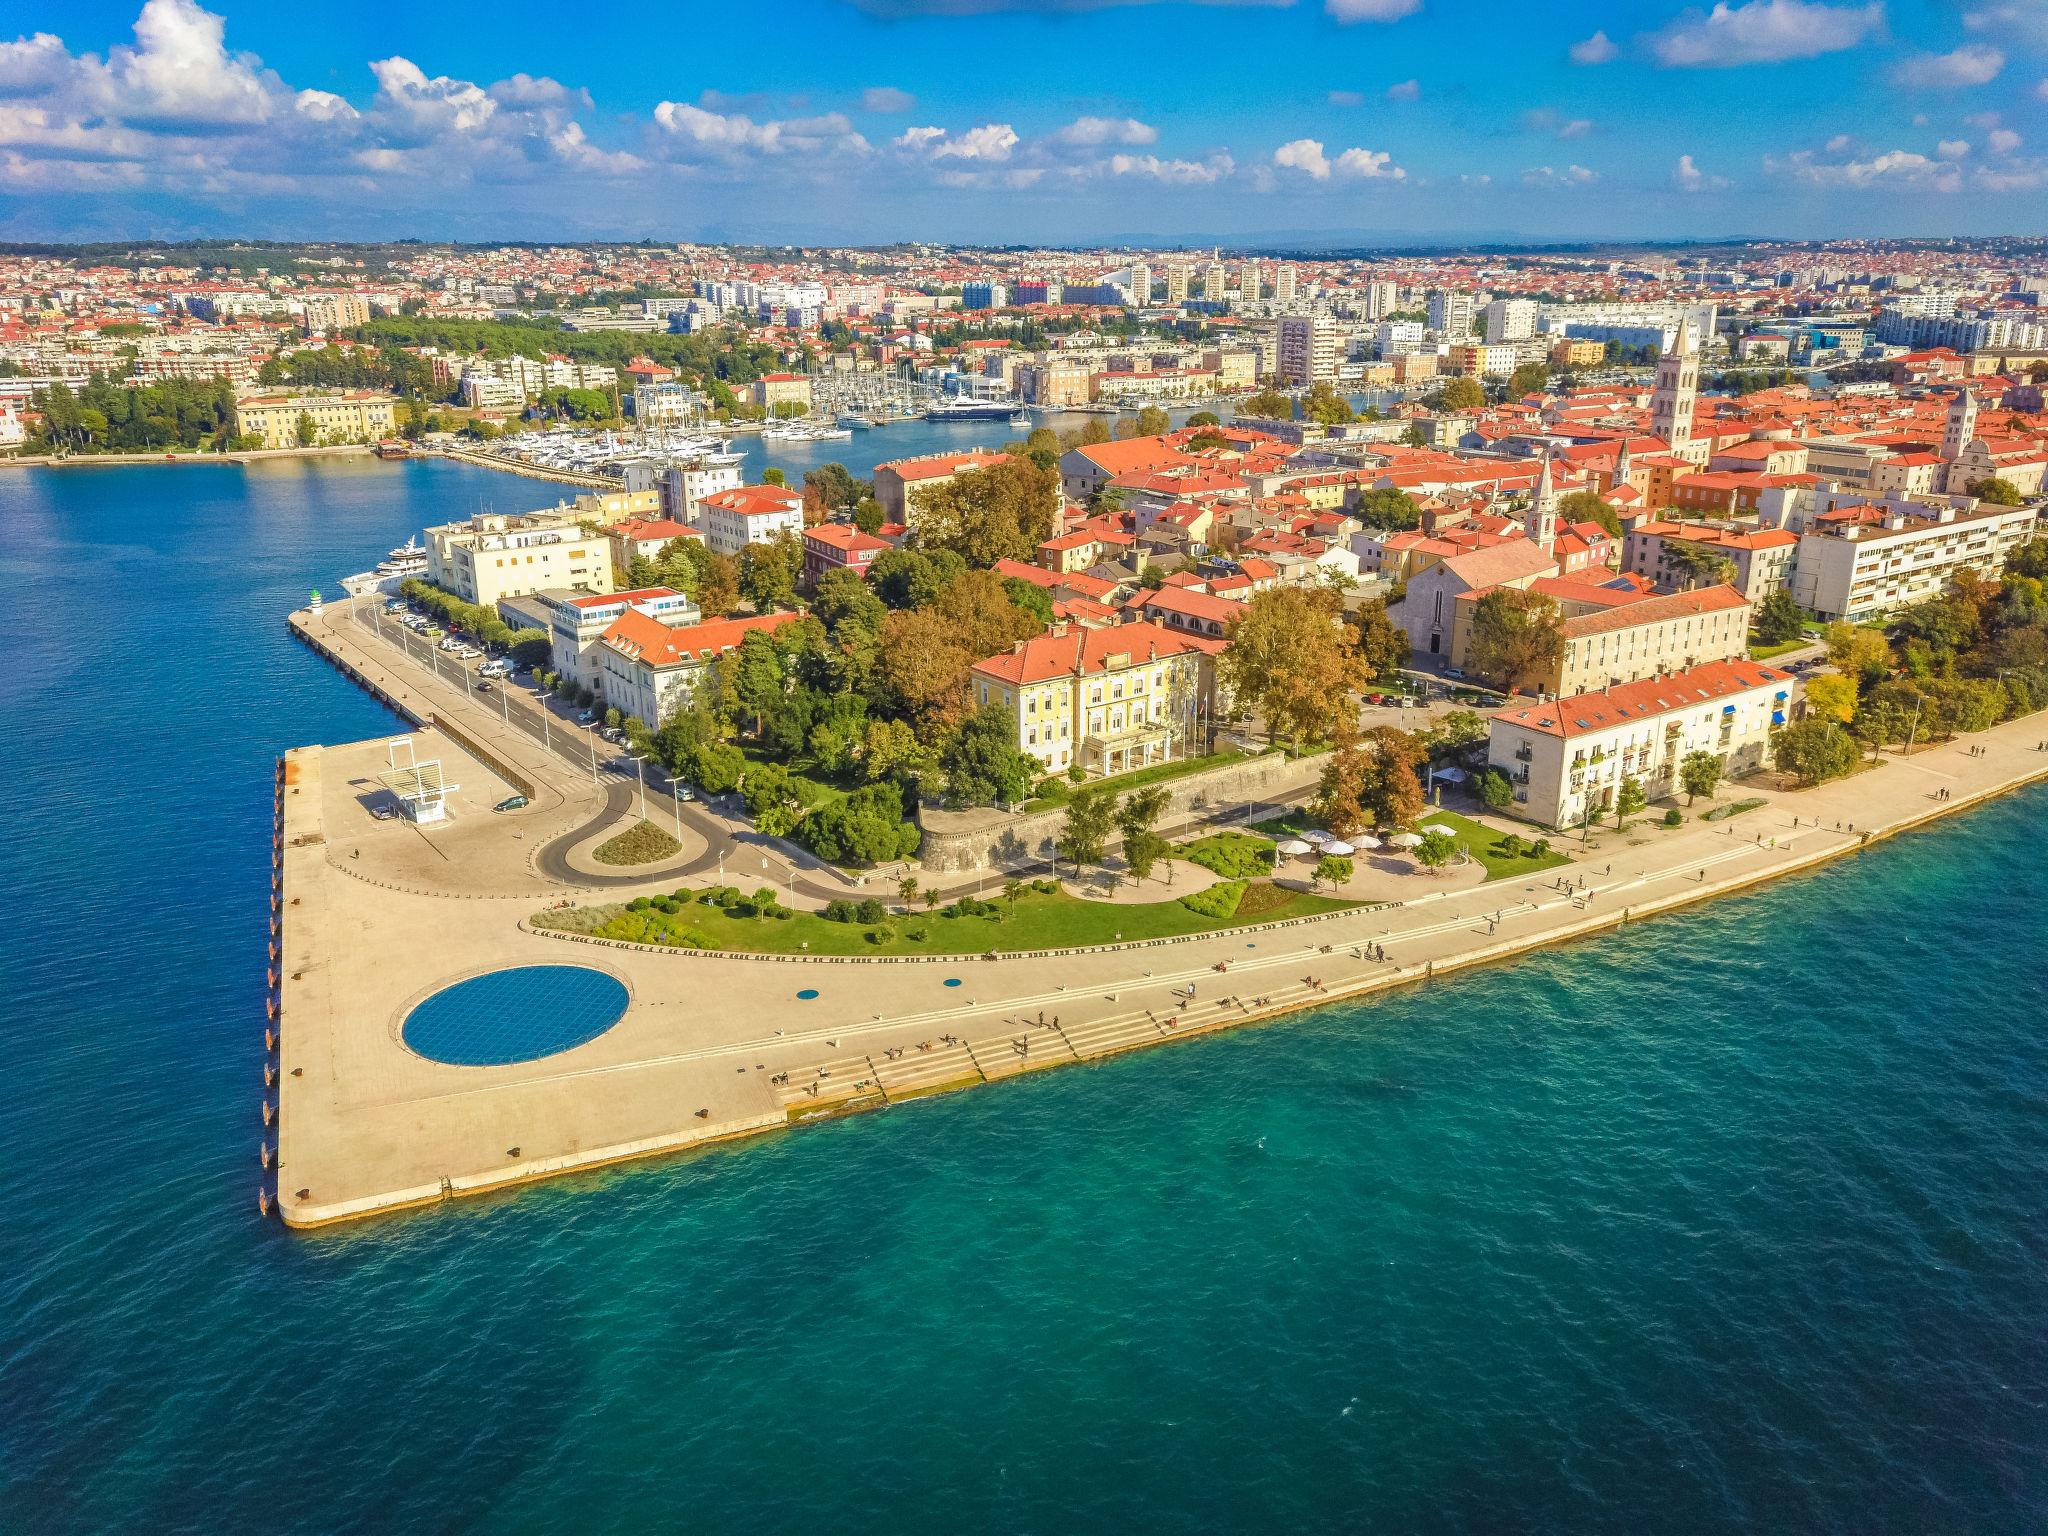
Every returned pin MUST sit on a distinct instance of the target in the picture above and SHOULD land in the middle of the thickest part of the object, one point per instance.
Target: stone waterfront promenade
(378, 915)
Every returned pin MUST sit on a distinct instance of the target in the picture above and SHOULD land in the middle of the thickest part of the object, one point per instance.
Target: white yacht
(408, 560)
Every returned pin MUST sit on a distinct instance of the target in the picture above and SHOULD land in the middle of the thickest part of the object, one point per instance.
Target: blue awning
(1781, 696)
(1777, 717)
(1727, 709)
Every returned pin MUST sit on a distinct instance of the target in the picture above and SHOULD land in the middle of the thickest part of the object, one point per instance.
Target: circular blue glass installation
(952, 981)
(808, 993)
(521, 1014)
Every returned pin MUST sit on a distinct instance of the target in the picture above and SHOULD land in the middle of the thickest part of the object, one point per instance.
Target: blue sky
(1005, 121)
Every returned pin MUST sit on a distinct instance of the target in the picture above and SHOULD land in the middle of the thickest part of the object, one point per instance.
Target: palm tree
(1012, 889)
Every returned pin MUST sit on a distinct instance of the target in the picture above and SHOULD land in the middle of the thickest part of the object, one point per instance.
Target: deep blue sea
(1733, 1222)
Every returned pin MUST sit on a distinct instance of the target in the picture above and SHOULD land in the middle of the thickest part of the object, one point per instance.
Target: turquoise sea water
(1731, 1222)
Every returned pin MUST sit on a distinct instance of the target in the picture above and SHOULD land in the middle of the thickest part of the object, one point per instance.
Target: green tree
(1462, 395)
(772, 798)
(1333, 870)
(769, 572)
(1382, 644)
(1387, 509)
(1516, 640)
(1326, 406)
(305, 431)
(1528, 379)
(1002, 511)
(1779, 618)
(1862, 653)
(868, 516)
(1436, 849)
(1496, 793)
(1289, 656)
(1205, 419)
(1136, 818)
(1832, 695)
(982, 763)
(1698, 773)
(1996, 490)
(1152, 421)
(1630, 800)
(1085, 832)
(1699, 565)
(1142, 854)
(1814, 750)
(1268, 403)
(773, 476)
(1587, 507)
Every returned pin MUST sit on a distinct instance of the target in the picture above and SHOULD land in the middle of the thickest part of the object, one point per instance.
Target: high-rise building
(1671, 405)
(1510, 320)
(1283, 285)
(1450, 312)
(1250, 285)
(1381, 300)
(1214, 279)
(1176, 282)
(1141, 285)
(1307, 351)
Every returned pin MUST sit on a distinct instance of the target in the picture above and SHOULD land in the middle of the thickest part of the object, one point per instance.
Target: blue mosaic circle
(808, 993)
(952, 981)
(521, 1014)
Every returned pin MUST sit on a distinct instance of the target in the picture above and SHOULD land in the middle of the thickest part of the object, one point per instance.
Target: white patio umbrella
(1317, 836)
(1440, 827)
(1338, 848)
(1451, 775)
(1406, 839)
(1365, 841)
(1292, 846)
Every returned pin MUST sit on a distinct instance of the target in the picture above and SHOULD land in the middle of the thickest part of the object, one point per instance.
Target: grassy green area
(803, 768)
(1038, 920)
(1484, 844)
(644, 843)
(1733, 808)
(1233, 855)
(1060, 791)
(1760, 652)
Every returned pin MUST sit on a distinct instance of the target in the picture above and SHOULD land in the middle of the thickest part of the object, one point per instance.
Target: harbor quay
(377, 919)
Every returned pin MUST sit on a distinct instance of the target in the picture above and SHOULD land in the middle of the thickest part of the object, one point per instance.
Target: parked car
(684, 792)
(587, 717)
(511, 803)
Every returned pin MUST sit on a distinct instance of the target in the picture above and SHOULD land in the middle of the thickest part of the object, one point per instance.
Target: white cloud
(1405, 90)
(1967, 66)
(420, 109)
(1544, 120)
(1348, 11)
(1346, 98)
(886, 99)
(1549, 176)
(2013, 177)
(524, 90)
(1309, 157)
(1179, 173)
(2003, 141)
(1896, 167)
(1688, 177)
(1838, 143)
(1952, 149)
(1597, 49)
(179, 72)
(1088, 132)
(989, 142)
(1762, 32)
(2025, 21)
(736, 133)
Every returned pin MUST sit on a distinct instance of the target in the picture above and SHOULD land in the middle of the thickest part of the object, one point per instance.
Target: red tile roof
(1081, 652)
(1584, 713)
(633, 634)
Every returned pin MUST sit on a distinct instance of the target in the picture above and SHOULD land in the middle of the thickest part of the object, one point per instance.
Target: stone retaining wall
(956, 841)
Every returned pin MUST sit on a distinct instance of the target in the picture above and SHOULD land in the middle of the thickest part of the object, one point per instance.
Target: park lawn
(1233, 855)
(1479, 841)
(1036, 921)
(803, 768)
(1061, 791)
(1761, 652)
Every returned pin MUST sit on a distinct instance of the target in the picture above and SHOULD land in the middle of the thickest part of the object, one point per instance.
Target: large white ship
(410, 559)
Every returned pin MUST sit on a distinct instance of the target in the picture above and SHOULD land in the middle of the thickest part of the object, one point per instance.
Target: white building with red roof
(749, 514)
(1567, 757)
(578, 620)
(1108, 699)
(650, 669)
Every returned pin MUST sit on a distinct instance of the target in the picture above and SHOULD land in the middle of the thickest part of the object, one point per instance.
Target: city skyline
(1346, 122)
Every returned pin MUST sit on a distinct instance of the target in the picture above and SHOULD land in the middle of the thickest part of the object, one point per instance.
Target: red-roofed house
(749, 514)
(650, 670)
(897, 479)
(1567, 757)
(635, 536)
(839, 546)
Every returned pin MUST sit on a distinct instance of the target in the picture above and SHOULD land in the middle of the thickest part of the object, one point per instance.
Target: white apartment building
(1108, 699)
(1762, 557)
(1308, 350)
(1285, 281)
(1450, 312)
(1510, 320)
(578, 620)
(749, 514)
(1865, 559)
(502, 555)
(1566, 757)
(1381, 299)
(1397, 338)
(648, 670)
(686, 482)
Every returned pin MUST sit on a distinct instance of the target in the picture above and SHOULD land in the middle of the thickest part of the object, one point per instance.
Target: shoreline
(572, 1114)
(239, 456)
